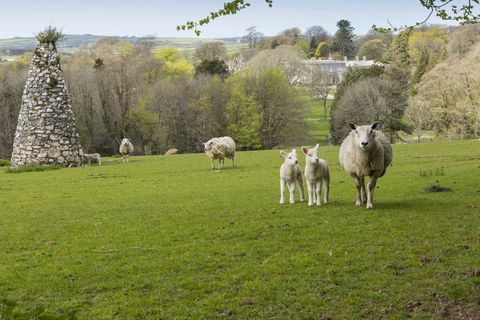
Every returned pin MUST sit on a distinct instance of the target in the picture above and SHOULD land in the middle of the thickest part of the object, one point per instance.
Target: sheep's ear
(375, 125)
(294, 151)
(305, 150)
(352, 125)
(316, 146)
(283, 154)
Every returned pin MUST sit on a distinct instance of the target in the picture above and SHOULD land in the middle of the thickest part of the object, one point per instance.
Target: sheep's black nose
(364, 144)
(296, 161)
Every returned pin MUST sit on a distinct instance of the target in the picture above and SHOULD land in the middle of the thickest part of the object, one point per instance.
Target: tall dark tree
(343, 42)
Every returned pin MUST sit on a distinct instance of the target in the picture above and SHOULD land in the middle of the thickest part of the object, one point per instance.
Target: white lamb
(126, 148)
(317, 174)
(365, 152)
(220, 148)
(290, 173)
(89, 157)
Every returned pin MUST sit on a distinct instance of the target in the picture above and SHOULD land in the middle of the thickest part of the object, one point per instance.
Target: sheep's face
(311, 155)
(364, 135)
(125, 141)
(290, 158)
(208, 145)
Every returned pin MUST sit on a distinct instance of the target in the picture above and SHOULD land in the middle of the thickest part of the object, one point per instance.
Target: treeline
(160, 100)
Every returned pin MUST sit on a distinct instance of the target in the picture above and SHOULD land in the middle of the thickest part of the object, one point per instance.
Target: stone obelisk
(46, 130)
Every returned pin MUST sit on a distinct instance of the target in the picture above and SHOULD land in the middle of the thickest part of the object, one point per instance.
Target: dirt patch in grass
(437, 188)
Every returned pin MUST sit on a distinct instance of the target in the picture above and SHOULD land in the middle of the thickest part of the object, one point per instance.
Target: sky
(24, 18)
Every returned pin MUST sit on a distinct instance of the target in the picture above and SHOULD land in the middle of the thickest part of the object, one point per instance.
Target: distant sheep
(89, 157)
(126, 148)
(220, 148)
(365, 152)
(171, 152)
(317, 175)
(290, 174)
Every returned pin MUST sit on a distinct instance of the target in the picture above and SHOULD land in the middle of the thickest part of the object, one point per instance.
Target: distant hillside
(16, 46)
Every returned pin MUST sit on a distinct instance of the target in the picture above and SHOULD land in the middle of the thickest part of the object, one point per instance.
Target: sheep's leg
(318, 191)
(364, 191)
(282, 190)
(291, 187)
(358, 181)
(223, 163)
(233, 161)
(371, 188)
(326, 182)
(213, 164)
(300, 185)
(99, 162)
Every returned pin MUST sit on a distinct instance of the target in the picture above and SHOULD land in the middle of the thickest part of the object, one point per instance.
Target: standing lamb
(290, 173)
(317, 174)
(126, 148)
(89, 157)
(220, 148)
(365, 152)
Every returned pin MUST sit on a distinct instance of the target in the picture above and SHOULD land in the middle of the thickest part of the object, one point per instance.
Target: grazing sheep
(317, 174)
(220, 148)
(290, 173)
(171, 152)
(89, 157)
(365, 152)
(126, 148)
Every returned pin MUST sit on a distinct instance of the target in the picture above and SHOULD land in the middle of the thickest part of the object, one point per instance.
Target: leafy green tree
(212, 67)
(322, 50)
(343, 41)
(243, 115)
(175, 63)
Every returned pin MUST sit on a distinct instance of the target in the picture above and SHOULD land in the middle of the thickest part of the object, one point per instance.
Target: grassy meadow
(169, 238)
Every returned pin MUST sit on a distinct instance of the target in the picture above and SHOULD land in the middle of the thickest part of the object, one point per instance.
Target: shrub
(31, 168)
(49, 35)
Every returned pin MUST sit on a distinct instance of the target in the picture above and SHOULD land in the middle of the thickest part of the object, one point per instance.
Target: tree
(175, 63)
(322, 50)
(462, 39)
(343, 41)
(243, 114)
(287, 58)
(212, 67)
(317, 35)
(253, 37)
(210, 51)
(372, 49)
(320, 84)
(293, 34)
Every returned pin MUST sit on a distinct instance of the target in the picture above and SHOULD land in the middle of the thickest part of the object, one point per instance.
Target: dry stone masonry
(46, 131)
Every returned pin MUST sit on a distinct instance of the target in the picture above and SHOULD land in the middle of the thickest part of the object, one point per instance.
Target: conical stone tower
(46, 131)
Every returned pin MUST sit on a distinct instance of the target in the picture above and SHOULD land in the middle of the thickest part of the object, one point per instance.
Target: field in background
(167, 237)
(318, 126)
(71, 43)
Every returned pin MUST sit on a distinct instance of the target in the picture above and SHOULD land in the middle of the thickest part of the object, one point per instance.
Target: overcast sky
(23, 18)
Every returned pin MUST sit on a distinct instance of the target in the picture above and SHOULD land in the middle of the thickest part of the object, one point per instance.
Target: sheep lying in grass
(89, 157)
(290, 173)
(171, 152)
(126, 148)
(317, 174)
(220, 148)
(365, 152)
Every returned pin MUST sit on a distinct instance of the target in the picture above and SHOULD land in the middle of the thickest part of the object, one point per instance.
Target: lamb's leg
(364, 191)
(291, 187)
(282, 190)
(310, 193)
(318, 192)
(213, 164)
(300, 185)
(326, 183)
(233, 161)
(371, 188)
(223, 163)
(99, 162)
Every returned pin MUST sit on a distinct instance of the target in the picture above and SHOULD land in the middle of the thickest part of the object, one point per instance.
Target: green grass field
(169, 238)
(318, 127)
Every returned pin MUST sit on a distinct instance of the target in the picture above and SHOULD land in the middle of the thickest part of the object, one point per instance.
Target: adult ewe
(171, 152)
(126, 148)
(220, 148)
(365, 152)
(317, 174)
(290, 173)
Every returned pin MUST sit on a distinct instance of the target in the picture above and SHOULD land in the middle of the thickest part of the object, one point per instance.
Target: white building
(340, 66)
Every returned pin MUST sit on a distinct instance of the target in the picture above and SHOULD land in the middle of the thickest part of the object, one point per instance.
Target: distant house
(340, 66)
